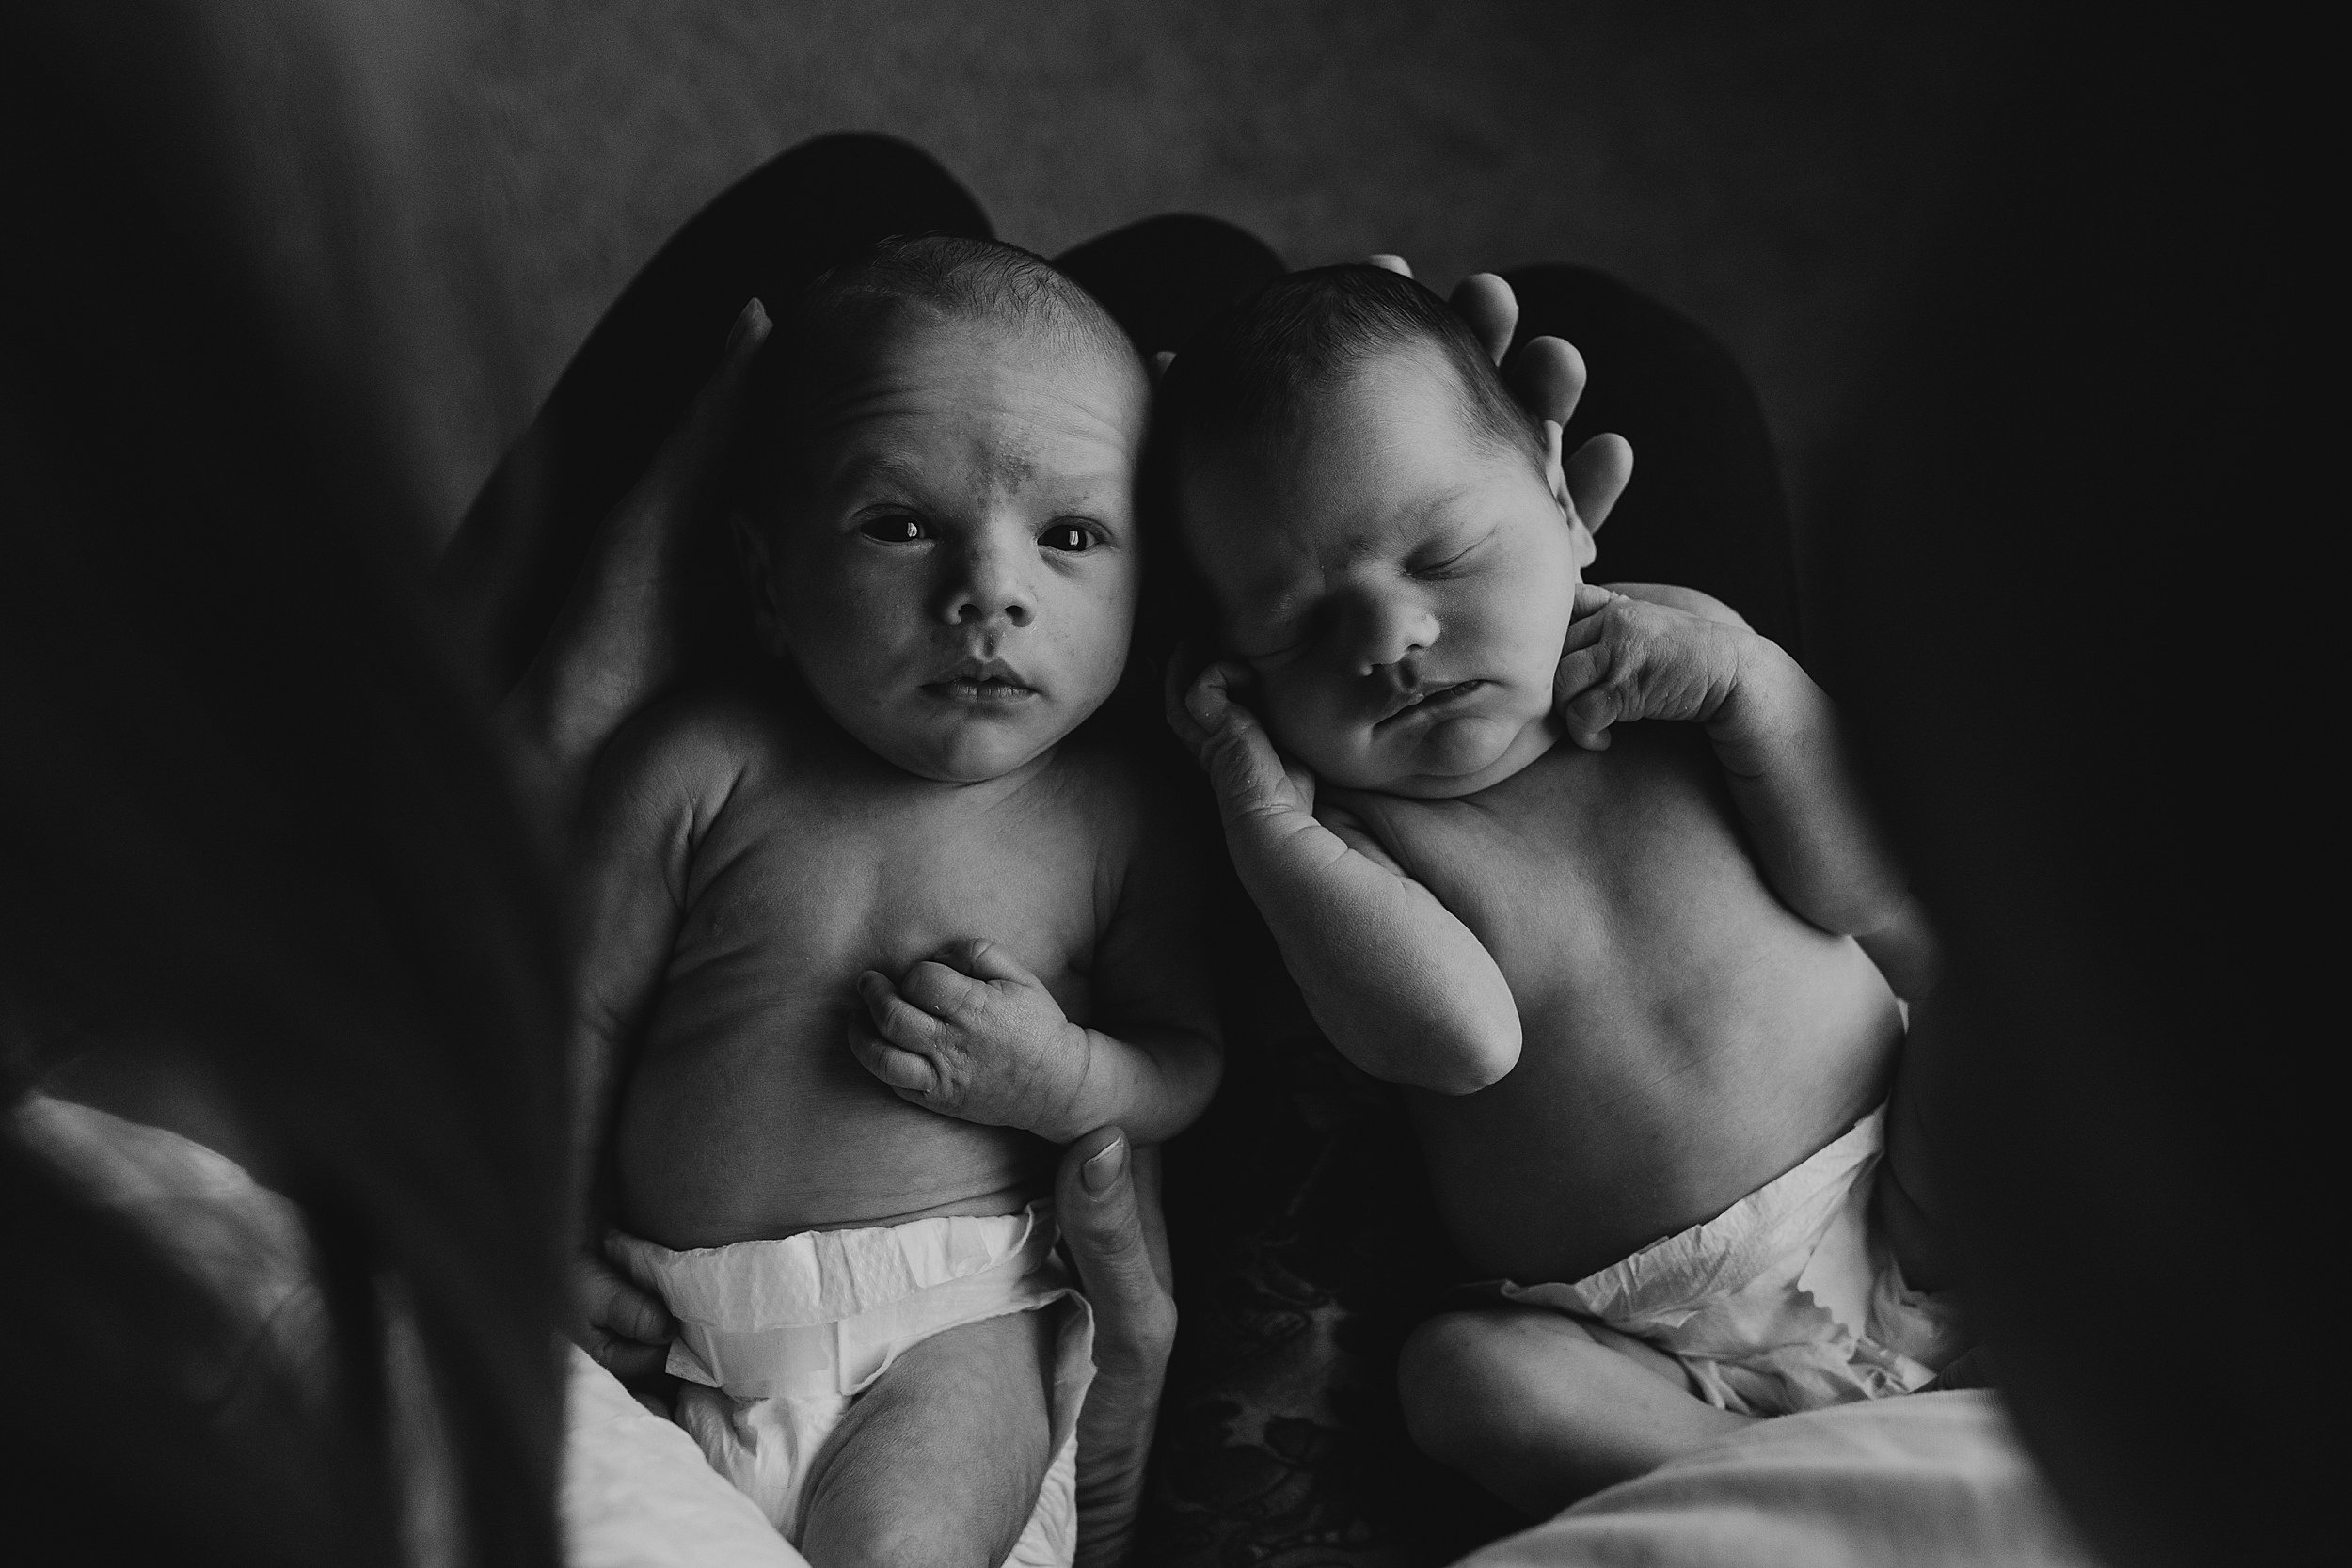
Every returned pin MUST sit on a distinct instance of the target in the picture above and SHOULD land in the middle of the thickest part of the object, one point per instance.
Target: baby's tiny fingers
(903, 1070)
(1588, 717)
(943, 993)
(1591, 598)
(1579, 671)
(895, 1017)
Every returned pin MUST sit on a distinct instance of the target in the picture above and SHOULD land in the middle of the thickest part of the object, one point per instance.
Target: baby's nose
(1387, 630)
(990, 586)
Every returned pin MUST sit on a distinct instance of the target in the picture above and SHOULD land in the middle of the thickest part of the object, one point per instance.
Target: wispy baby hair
(1249, 372)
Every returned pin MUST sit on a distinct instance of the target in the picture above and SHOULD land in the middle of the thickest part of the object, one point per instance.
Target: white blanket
(1926, 1480)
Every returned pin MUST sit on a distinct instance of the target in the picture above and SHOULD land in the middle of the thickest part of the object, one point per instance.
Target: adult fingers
(626, 1330)
(903, 1070)
(1597, 475)
(1490, 308)
(685, 456)
(1104, 1219)
(613, 1301)
(1387, 262)
(1547, 375)
(1101, 1213)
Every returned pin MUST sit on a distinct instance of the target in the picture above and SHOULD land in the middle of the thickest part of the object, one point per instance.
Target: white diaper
(777, 1340)
(1788, 1300)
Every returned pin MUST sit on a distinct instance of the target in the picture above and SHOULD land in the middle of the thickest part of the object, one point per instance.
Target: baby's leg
(940, 1462)
(1541, 1409)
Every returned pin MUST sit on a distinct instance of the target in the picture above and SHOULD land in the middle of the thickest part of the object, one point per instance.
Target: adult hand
(625, 1328)
(1546, 375)
(1107, 1200)
(616, 639)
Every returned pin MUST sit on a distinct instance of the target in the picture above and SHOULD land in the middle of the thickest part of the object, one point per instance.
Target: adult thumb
(1102, 1219)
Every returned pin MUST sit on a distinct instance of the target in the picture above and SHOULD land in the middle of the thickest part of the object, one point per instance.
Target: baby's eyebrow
(882, 466)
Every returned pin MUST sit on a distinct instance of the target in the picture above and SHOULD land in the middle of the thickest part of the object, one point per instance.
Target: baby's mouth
(982, 682)
(1420, 699)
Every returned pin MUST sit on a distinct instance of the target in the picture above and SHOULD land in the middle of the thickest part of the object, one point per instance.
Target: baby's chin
(965, 749)
(1460, 755)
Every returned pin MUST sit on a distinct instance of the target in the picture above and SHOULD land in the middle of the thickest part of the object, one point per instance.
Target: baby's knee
(911, 1539)
(1451, 1381)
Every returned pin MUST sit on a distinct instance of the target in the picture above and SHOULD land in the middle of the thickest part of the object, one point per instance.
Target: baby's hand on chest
(972, 1033)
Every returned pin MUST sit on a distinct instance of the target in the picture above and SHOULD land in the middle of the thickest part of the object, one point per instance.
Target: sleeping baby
(1647, 1055)
(858, 946)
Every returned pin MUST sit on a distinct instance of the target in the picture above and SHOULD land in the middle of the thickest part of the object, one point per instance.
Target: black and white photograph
(1163, 784)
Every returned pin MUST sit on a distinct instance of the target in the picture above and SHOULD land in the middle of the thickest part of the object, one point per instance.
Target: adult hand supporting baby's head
(1546, 374)
(1108, 1203)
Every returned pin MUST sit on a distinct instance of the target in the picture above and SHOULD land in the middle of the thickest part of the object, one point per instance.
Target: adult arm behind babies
(1401, 985)
(626, 900)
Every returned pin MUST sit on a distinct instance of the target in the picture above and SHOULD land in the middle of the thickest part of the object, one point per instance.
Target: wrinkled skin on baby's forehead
(906, 359)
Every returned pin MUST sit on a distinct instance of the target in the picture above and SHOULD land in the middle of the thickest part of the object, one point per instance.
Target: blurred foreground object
(259, 877)
(2067, 573)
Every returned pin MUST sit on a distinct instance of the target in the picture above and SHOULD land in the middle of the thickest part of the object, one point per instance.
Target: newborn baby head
(1384, 534)
(936, 501)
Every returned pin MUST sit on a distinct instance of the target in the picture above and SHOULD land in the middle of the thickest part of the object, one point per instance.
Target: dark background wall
(1765, 168)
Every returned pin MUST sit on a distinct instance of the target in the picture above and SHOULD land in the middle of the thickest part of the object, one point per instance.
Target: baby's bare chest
(790, 899)
(1590, 873)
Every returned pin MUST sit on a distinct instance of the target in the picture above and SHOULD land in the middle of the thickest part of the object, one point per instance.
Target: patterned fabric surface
(1307, 1249)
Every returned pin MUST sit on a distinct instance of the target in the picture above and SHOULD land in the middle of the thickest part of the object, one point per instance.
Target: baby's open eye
(895, 529)
(1068, 537)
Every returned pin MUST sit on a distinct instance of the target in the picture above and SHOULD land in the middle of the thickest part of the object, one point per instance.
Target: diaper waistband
(1772, 1229)
(821, 1314)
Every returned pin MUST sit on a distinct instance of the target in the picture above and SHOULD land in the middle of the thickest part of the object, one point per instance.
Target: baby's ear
(752, 549)
(1556, 475)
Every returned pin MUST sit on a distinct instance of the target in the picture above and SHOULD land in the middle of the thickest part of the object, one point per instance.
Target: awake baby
(1646, 1056)
(857, 948)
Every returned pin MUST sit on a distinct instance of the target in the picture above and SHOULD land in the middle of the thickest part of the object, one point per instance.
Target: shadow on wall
(1766, 172)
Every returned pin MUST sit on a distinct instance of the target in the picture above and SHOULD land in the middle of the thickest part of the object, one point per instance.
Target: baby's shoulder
(698, 742)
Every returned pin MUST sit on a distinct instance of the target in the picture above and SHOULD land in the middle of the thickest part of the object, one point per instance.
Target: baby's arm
(971, 1033)
(1401, 985)
(1655, 652)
